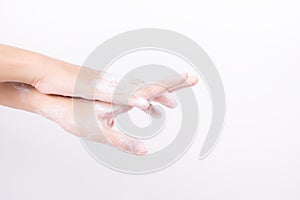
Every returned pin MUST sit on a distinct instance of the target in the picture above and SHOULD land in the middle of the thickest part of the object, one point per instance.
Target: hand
(101, 86)
(60, 110)
(45, 85)
(51, 76)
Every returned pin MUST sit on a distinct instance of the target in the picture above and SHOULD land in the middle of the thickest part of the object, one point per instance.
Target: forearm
(25, 97)
(19, 65)
(19, 96)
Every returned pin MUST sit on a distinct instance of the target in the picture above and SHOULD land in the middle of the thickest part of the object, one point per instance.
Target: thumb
(124, 142)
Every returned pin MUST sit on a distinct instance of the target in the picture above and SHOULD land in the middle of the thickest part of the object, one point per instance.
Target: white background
(255, 46)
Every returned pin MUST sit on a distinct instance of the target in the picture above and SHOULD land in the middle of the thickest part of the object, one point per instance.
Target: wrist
(55, 76)
(18, 65)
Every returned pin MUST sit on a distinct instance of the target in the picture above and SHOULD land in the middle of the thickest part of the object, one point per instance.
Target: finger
(139, 102)
(167, 99)
(153, 90)
(107, 110)
(124, 142)
(111, 90)
(174, 80)
(110, 122)
(153, 111)
(190, 81)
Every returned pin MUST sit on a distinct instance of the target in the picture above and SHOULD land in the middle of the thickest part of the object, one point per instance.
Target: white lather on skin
(53, 110)
(23, 90)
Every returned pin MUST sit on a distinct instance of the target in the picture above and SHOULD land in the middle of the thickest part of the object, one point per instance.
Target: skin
(33, 82)
(46, 75)
(59, 109)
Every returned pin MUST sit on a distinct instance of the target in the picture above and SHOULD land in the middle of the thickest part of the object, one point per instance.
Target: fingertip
(134, 146)
(192, 80)
(111, 122)
(171, 100)
(140, 148)
(125, 143)
(184, 75)
(173, 105)
(168, 100)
